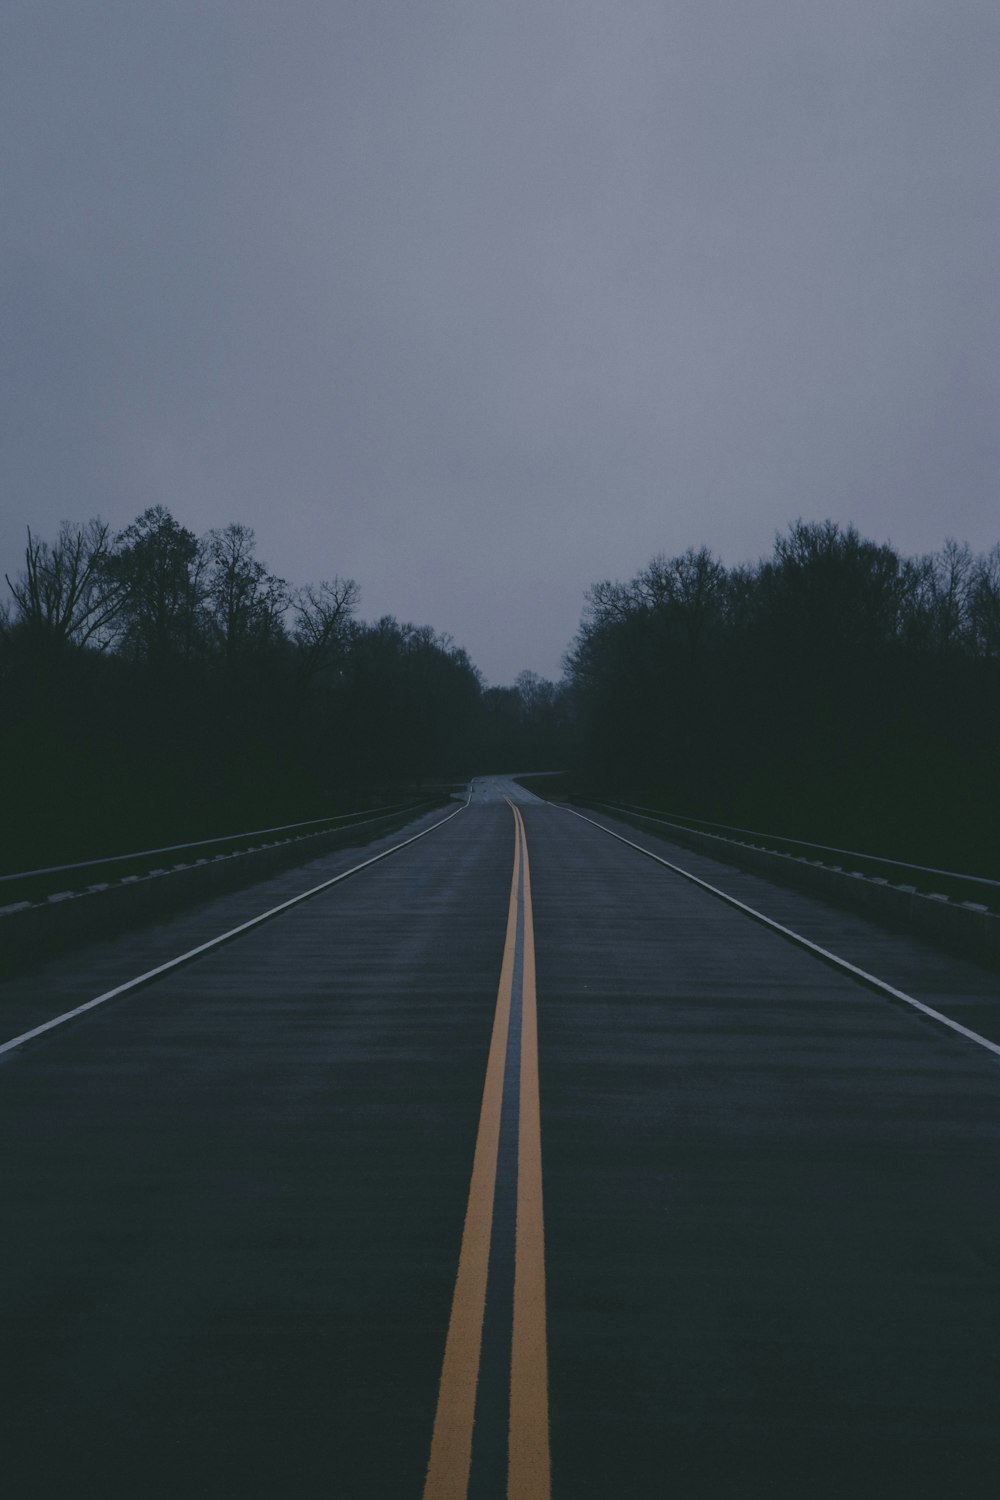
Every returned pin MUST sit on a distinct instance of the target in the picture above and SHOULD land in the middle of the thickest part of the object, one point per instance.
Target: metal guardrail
(976, 889)
(28, 885)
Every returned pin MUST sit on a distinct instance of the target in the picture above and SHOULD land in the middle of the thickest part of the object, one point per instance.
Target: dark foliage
(527, 727)
(158, 687)
(835, 691)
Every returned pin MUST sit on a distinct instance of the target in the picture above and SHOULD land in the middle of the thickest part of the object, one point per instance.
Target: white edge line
(216, 942)
(803, 942)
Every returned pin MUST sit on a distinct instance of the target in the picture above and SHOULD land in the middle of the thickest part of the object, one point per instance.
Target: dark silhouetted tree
(246, 602)
(66, 594)
(160, 569)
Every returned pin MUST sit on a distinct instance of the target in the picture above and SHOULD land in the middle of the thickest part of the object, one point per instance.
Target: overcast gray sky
(480, 302)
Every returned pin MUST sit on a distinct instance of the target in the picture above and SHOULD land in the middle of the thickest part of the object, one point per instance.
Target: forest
(834, 691)
(159, 686)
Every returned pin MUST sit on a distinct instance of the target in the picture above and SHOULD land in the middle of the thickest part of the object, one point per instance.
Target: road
(511, 1164)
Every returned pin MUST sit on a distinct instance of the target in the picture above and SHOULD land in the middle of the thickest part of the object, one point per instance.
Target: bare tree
(324, 612)
(608, 602)
(951, 582)
(67, 593)
(247, 601)
(687, 591)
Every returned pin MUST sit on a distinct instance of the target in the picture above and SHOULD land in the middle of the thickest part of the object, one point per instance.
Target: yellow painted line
(451, 1444)
(529, 1468)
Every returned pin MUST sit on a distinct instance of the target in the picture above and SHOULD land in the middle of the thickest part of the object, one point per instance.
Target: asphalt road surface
(513, 1164)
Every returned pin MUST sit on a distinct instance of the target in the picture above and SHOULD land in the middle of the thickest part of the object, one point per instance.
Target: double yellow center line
(451, 1458)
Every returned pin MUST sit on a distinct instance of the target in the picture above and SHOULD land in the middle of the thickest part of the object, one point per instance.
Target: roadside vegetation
(834, 691)
(159, 686)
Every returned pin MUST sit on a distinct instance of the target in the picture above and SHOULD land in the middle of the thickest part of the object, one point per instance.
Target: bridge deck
(234, 1200)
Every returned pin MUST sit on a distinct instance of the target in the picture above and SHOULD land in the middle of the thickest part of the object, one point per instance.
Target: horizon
(479, 307)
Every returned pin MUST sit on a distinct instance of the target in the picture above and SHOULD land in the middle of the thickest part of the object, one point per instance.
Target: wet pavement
(234, 1201)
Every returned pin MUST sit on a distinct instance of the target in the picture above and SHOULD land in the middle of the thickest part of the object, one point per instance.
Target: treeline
(835, 691)
(159, 686)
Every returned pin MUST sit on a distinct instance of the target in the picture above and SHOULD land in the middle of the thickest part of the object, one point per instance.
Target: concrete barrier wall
(963, 927)
(31, 932)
